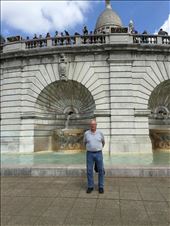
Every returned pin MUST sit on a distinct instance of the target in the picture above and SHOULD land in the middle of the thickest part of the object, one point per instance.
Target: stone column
(128, 134)
(27, 135)
(10, 108)
(27, 116)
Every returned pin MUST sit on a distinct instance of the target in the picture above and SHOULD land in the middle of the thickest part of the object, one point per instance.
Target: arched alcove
(64, 109)
(159, 120)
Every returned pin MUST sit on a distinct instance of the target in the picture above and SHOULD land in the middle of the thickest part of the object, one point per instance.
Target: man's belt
(94, 151)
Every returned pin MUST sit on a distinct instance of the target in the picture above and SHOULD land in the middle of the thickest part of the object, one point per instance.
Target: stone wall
(132, 82)
(120, 79)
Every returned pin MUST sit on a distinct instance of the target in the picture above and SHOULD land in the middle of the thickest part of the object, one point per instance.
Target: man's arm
(103, 140)
(84, 139)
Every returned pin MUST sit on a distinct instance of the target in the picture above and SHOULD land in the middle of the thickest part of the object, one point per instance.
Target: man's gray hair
(93, 120)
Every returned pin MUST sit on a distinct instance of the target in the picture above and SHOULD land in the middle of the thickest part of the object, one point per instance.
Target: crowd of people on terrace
(67, 34)
(160, 32)
(63, 34)
(86, 32)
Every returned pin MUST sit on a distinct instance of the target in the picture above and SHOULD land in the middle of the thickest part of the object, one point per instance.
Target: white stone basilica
(52, 87)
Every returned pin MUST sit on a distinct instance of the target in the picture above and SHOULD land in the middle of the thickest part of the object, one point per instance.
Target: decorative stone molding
(142, 112)
(32, 115)
(161, 112)
(102, 113)
(63, 67)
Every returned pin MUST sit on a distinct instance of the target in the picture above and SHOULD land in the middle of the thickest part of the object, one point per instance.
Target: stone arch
(147, 75)
(62, 106)
(160, 96)
(59, 95)
(159, 119)
(84, 74)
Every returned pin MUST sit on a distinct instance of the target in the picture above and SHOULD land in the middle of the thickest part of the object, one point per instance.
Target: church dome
(108, 18)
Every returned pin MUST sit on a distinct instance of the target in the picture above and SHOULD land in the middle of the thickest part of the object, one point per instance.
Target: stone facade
(119, 74)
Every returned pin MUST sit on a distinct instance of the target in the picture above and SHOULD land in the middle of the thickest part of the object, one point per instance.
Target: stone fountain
(68, 139)
(160, 129)
(65, 115)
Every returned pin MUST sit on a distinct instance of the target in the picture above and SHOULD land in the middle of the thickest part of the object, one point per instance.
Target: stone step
(80, 170)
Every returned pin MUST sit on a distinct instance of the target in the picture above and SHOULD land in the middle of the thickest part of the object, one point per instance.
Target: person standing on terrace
(94, 142)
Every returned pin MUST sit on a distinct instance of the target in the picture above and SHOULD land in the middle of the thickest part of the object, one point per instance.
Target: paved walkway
(63, 201)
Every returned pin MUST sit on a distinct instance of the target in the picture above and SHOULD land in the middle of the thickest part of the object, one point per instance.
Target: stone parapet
(85, 40)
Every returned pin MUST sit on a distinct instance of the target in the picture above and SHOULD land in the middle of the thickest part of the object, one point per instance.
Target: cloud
(165, 26)
(43, 16)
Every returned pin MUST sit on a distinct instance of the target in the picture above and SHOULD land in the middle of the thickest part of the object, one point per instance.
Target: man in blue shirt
(94, 142)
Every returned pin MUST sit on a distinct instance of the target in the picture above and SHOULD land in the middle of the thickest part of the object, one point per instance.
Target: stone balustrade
(151, 39)
(35, 43)
(78, 40)
(166, 40)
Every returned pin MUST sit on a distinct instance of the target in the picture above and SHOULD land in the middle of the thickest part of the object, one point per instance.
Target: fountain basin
(68, 140)
(160, 139)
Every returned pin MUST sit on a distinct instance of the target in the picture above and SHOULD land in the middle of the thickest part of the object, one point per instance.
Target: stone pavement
(63, 201)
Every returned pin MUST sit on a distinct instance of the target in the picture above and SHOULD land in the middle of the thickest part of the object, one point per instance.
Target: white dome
(108, 18)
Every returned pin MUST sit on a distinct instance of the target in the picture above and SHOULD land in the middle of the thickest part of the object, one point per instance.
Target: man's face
(93, 125)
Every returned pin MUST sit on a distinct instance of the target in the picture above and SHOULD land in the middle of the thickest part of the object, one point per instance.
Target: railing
(166, 40)
(34, 43)
(65, 40)
(73, 40)
(149, 39)
(1, 48)
(84, 40)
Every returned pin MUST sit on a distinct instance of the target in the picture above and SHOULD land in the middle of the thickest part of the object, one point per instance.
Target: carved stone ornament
(161, 112)
(63, 67)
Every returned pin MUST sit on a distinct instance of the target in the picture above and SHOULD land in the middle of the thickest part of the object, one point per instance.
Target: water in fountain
(68, 118)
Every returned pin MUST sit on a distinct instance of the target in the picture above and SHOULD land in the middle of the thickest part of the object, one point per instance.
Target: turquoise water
(128, 159)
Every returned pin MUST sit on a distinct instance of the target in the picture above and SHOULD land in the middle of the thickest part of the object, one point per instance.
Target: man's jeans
(93, 157)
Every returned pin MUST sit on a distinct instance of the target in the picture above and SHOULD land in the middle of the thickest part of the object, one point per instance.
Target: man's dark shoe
(101, 190)
(89, 190)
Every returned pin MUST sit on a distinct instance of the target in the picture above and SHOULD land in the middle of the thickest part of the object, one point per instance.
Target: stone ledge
(142, 112)
(80, 170)
(98, 48)
(102, 113)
